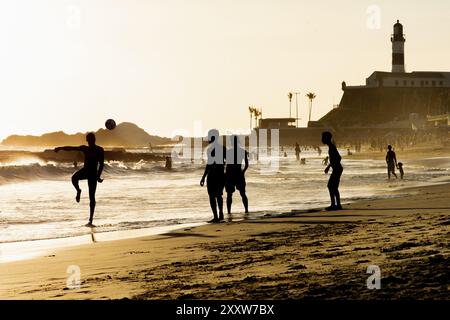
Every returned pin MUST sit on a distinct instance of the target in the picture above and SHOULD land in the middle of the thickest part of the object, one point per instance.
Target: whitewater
(37, 199)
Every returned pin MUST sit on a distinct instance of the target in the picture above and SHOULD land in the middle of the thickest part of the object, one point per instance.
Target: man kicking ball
(92, 170)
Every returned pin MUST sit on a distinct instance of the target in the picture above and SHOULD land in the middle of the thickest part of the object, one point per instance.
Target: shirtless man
(92, 170)
(391, 161)
(335, 177)
(235, 175)
(214, 175)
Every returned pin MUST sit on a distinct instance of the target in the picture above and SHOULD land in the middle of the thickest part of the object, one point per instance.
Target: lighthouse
(398, 48)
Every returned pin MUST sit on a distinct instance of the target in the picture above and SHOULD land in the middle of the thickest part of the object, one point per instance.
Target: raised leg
(76, 177)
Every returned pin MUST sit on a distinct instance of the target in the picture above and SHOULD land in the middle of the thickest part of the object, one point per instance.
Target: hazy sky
(164, 64)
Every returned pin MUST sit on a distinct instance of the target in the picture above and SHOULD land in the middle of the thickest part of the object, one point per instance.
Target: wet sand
(313, 255)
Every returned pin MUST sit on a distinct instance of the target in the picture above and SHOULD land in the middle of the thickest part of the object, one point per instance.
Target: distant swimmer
(335, 164)
(168, 163)
(235, 175)
(400, 168)
(391, 161)
(303, 161)
(349, 153)
(297, 151)
(215, 174)
(91, 171)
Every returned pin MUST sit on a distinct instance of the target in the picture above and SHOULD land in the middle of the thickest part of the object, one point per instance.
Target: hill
(125, 134)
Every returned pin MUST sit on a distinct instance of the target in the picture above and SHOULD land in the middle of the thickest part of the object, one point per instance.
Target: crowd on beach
(225, 170)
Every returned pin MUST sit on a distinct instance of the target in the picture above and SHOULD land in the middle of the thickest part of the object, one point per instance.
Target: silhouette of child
(400, 168)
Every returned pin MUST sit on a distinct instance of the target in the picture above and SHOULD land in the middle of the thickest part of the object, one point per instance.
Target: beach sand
(301, 255)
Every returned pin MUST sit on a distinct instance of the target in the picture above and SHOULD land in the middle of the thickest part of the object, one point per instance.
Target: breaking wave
(12, 173)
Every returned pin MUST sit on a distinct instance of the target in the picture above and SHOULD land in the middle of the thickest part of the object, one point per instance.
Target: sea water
(37, 199)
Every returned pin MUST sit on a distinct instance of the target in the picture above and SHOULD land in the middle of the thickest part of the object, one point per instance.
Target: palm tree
(290, 102)
(257, 113)
(251, 110)
(311, 96)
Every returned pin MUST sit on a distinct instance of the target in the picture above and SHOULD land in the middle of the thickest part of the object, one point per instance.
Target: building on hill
(392, 96)
(276, 123)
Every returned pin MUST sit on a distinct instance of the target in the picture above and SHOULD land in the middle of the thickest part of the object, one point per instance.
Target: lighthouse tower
(398, 48)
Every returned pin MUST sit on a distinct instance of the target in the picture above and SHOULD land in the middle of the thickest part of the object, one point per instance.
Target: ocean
(37, 199)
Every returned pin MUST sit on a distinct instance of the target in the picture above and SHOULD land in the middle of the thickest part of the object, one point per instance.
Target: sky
(174, 66)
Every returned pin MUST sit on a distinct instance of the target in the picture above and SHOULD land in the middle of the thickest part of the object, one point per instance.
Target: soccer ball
(110, 124)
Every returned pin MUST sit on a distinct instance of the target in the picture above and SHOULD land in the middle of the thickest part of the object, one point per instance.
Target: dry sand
(301, 255)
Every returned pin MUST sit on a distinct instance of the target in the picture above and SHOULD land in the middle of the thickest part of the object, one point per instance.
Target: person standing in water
(335, 164)
(168, 163)
(93, 167)
(391, 161)
(235, 175)
(297, 151)
(215, 175)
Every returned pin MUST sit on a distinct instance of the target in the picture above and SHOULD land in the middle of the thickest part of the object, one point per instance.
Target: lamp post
(296, 108)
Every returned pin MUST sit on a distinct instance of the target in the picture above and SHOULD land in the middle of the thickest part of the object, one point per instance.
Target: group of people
(225, 169)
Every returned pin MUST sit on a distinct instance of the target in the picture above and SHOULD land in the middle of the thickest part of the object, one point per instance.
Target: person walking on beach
(91, 171)
(335, 164)
(215, 175)
(297, 151)
(391, 161)
(235, 175)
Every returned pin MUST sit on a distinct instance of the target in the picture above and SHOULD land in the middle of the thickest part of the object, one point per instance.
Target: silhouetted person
(400, 168)
(297, 151)
(92, 170)
(235, 175)
(325, 161)
(214, 172)
(335, 164)
(391, 161)
(168, 163)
